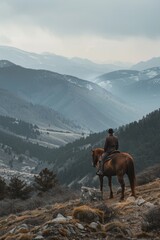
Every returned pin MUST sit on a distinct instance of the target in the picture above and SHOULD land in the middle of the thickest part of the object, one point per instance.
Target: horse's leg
(101, 184)
(121, 181)
(110, 186)
(131, 176)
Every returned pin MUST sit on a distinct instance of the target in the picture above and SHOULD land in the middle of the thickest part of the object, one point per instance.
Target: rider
(111, 144)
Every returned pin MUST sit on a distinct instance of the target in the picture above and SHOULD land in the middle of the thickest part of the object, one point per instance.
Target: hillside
(87, 104)
(14, 106)
(73, 219)
(141, 139)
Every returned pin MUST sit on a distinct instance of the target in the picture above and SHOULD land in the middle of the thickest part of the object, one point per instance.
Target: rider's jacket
(111, 144)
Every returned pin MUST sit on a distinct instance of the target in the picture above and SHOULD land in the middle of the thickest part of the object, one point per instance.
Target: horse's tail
(131, 175)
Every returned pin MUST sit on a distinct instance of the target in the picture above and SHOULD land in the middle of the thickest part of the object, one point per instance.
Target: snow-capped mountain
(78, 67)
(86, 103)
(139, 88)
(116, 80)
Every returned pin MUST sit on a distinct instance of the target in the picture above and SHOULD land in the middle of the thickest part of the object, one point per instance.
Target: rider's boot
(100, 170)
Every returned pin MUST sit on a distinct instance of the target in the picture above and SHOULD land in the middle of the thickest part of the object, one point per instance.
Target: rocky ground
(76, 219)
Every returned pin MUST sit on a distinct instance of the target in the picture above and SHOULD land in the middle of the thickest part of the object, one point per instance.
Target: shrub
(45, 180)
(151, 219)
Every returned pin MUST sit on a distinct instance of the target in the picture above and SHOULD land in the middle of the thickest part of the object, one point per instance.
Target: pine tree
(3, 187)
(18, 188)
(45, 180)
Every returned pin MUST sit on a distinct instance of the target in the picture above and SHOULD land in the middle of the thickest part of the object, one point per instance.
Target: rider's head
(110, 131)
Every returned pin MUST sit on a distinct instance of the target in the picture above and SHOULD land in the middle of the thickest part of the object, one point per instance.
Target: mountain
(115, 81)
(81, 68)
(86, 103)
(138, 88)
(153, 62)
(55, 130)
(146, 93)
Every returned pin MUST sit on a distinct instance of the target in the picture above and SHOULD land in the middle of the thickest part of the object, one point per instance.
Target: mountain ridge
(76, 99)
(71, 66)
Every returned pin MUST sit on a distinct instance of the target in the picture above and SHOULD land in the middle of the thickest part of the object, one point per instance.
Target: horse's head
(96, 154)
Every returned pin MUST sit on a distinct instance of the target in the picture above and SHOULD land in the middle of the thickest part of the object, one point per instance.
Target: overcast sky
(100, 30)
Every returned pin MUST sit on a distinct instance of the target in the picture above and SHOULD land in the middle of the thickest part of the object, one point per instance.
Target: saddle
(109, 157)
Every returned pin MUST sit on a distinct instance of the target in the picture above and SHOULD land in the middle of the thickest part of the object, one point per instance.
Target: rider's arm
(106, 145)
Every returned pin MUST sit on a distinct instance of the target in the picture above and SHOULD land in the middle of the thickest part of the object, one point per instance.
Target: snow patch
(106, 85)
(89, 87)
(151, 74)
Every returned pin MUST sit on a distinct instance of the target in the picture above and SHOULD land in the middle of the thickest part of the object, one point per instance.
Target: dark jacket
(111, 144)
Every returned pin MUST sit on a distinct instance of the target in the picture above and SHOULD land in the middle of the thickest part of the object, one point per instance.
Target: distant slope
(138, 88)
(115, 81)
(82, 68)
(14, 106)
(153, 62)
(84, 102)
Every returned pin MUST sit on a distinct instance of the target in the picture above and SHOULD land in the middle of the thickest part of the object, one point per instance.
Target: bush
(45, 180)
(152, 219)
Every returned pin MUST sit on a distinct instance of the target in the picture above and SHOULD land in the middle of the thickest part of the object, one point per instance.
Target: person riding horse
(111, 145)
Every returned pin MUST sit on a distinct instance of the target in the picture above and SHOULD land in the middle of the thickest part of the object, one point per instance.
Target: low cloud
(106, 18)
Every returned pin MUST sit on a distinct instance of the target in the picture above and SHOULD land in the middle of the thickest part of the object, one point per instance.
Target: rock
(94, 225)
(139, 201)
(149, 205)
(59, 218)
(90, 194)
(131, 199)
(39, 237)
(12, 230)
(80, 226)
(69, 217)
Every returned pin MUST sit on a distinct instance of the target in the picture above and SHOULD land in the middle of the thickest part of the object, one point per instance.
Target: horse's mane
(98, 150)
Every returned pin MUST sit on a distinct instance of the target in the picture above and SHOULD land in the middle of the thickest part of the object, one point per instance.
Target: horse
(117, 164)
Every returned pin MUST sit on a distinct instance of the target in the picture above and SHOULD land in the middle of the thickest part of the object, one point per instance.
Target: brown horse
(119, 164)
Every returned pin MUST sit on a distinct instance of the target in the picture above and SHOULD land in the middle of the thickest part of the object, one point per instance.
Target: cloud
(105, 18)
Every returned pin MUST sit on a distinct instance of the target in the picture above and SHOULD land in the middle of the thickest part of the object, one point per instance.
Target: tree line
(17, 188)
(19, 127)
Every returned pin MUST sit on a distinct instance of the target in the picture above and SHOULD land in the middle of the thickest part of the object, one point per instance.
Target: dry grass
(86, 214)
